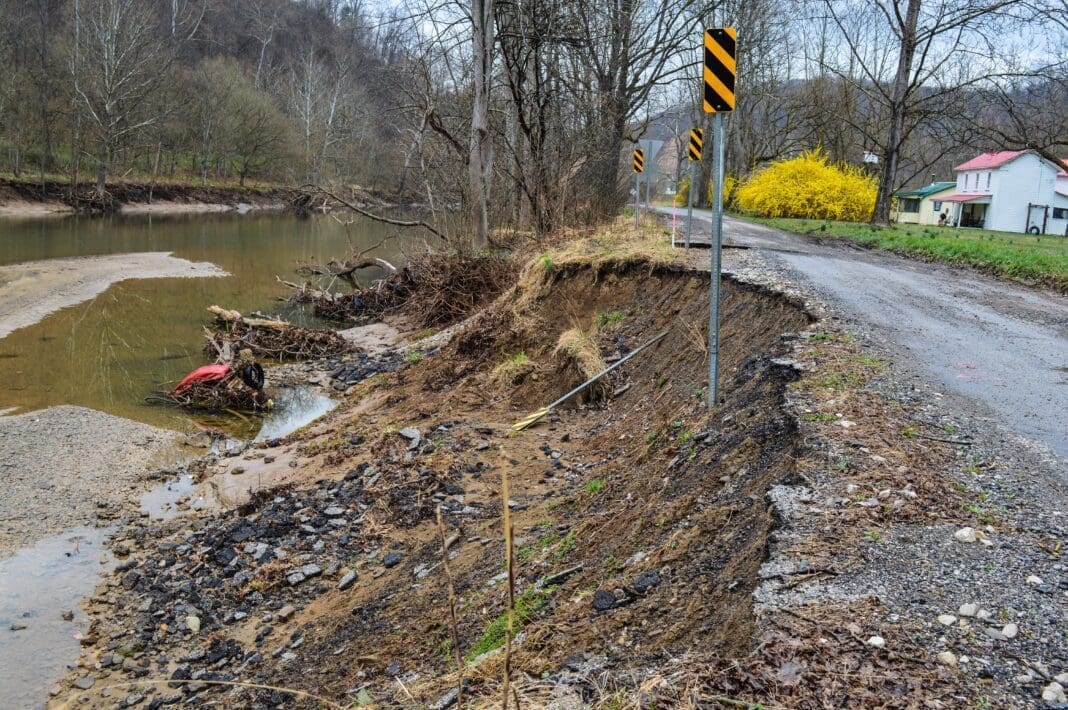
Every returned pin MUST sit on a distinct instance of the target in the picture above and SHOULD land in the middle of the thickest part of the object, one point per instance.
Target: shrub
(729, 184)
(810, 187)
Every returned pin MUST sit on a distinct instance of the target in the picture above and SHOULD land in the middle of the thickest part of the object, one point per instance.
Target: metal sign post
(639, 167)
(719, 76)
(697, 137)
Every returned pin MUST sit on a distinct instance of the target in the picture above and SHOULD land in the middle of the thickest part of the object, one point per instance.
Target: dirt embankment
(664, 555)
(20, 198)
(621, 531)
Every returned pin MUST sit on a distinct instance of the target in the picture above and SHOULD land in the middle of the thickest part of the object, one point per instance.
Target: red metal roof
(962, 197)
(989, 160)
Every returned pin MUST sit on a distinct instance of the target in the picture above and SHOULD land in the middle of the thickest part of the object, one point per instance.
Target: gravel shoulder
(69, 466)
(32, 290)
(999, 344)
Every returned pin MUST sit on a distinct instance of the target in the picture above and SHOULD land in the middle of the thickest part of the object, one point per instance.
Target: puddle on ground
(37, 585)
(294, 408)
(176, 496)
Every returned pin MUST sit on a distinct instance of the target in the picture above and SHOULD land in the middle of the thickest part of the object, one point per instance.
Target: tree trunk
(480, 162)
(898, 107)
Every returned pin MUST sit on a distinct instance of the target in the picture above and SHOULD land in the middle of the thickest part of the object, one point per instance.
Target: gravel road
(1002, 346)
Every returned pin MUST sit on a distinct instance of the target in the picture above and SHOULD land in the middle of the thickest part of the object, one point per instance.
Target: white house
(1010, 191)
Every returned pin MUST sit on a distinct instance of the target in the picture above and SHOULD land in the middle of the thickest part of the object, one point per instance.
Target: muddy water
(139, 335)
(37, 586)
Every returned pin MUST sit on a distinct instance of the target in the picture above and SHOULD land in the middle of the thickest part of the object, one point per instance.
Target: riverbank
(65, 467)
(25, 198)
(832, 513)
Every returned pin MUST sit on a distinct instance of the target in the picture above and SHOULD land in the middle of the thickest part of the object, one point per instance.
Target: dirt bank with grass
(32, 290)
(657, 554)
(30, 198)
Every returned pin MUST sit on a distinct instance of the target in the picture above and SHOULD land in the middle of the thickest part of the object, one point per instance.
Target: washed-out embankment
(637, 515)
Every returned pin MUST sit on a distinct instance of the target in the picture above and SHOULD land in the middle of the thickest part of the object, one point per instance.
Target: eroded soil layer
(641, 522)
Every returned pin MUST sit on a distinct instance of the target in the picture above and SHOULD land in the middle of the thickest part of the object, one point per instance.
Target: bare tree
(480, 160)
(935, 49)
(120, 59)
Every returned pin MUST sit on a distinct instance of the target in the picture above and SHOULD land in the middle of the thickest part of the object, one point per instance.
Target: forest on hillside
(520, 110)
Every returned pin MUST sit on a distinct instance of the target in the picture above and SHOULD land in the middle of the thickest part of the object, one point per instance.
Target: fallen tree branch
(375, 217)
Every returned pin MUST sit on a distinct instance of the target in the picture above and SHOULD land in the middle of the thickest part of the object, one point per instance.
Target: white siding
(1027, 179)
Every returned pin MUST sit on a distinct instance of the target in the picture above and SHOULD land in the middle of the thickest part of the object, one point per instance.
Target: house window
(910, 205)
(988, 181)
(937, 205)
(1060, 213)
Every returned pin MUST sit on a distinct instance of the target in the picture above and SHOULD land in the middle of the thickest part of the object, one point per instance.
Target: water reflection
(37, 585)
(143, 335)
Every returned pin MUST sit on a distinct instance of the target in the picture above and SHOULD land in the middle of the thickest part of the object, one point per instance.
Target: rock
(346, 580)
(286, 612)
(333, 511)
(311, 570)
(646, 581)
(948, 658)
(84, 683)
(966, 535)
(968, 609)
(1053, 694)
(447, 699)
(393, 669)
(295, 578)
(17, 626)
(1034, 580)
(947, 619)
(193, 623)
(413, 435)
(1061, 678)
(876, 642)
(392, 559)
(1010, 630)
(68, 615)
(603, 600)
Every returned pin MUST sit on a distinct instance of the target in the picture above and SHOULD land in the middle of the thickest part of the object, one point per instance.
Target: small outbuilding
(923, 205)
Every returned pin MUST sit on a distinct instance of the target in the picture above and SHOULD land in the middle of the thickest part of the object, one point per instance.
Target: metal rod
(717, 243)
(689, 202)
(604, 372)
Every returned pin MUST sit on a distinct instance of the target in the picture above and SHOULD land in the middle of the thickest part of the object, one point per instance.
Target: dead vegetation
(269, 338)
(432, 290)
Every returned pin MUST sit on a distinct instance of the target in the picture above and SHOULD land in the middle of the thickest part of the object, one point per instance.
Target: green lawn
(1042, 259)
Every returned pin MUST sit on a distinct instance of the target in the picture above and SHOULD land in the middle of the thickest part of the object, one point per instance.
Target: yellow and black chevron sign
(697, 138)
(639, 160)
(720, 69)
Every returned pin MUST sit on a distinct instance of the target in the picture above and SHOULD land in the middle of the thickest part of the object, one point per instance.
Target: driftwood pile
(230, 394)
(267, 338)
(433, 289)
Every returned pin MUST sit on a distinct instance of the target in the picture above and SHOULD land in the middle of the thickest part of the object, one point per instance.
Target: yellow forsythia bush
(810, 187)
(729, 184)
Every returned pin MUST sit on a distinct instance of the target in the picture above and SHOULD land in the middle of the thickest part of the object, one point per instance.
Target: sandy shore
(69, 466)
(30, 291)
(20, 208)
